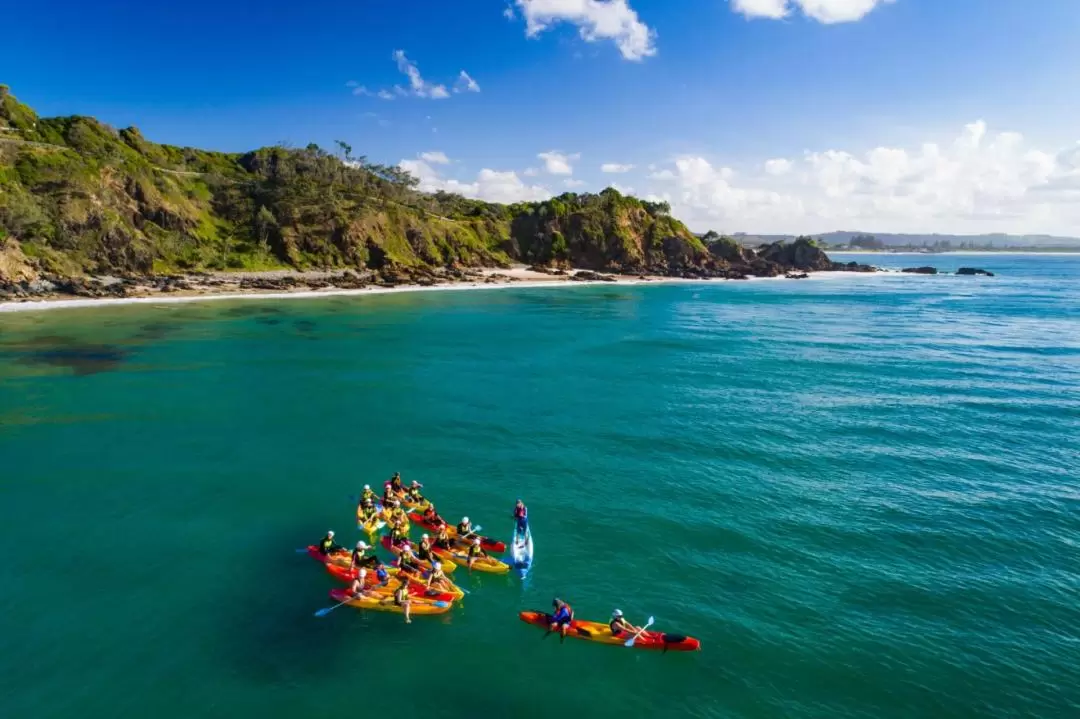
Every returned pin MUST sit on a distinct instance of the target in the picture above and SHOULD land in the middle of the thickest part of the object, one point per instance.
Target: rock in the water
(802, 254)
(973, 271)
(920, 270)
(797, 276)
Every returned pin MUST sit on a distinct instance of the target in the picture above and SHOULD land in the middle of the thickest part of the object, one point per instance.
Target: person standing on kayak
(620, 627)
(328, 546)
(561, 619)
(521, 514)
(358, 558)
(475, 552)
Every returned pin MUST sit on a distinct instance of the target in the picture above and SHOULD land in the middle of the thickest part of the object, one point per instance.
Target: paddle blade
(302, 551)
(442, 605)
(324, 611)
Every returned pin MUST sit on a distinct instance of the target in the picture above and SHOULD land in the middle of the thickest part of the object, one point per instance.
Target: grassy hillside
(78, 197)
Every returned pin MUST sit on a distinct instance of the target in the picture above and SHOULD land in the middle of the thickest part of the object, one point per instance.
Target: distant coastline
(957, 252)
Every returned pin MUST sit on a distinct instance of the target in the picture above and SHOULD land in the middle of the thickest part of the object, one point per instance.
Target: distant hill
(992, 241)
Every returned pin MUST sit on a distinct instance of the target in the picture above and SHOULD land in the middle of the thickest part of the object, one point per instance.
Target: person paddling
(521, 514)
(561, 619)
(399, 534)
(620, 627)
(464, 528)
(359, 559)
(368, 513)
(413, 493)
(475, 552)
(328, 546)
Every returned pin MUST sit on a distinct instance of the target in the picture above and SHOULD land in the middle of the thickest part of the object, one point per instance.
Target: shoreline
(514, 278)
(1026, 253)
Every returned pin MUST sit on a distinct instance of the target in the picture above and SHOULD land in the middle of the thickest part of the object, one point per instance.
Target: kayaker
(431, 516)
(359, 559)
(381, 574)
(442, 537)
(388, 496)
(437, 577)
(407, 560)
(328, 546)
(399, 533)
(424, 552)
(475, 552)
(368, 497)
(395, 483)
(357, 588)
(397, 514)
(521, 514)
(561, 618)
(464, 528)
(620, 627)
(413, 493)
(401, 599)
(368, 513)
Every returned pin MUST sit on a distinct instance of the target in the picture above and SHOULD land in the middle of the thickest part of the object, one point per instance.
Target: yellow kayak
(482, 564)
(389, 546)
(381, 604)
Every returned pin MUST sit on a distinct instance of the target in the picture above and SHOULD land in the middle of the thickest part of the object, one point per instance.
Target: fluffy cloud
(615, 168)
(436, 157)
(596, 20)
(825, 11)
(465, 83)
(418, 86)
(490, 185)
(778, 166)
(977, 182)
(558, 163)
(572, 184)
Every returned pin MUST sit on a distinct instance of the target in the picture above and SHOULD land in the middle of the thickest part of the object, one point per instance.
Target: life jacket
(326, 545)
(520, 512)
(475, 550)
(437, 575)
(463, 529)
(357, 556)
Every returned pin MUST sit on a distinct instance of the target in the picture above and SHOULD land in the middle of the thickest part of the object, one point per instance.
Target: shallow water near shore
(861, 494)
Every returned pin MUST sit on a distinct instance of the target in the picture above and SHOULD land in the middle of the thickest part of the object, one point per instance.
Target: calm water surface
(862, 495)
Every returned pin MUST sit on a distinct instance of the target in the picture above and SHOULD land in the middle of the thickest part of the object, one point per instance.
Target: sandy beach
(229, 286)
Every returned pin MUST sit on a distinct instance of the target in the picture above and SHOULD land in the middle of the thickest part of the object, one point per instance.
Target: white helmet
(424, 537)
(476, 541)
(436, 565)
(361, 574)
(617, 613)
(330, 533)
(464, 520)
(362, 545)
(367, 487)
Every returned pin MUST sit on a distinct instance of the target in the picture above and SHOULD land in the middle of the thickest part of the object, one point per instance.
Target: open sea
(861, 493)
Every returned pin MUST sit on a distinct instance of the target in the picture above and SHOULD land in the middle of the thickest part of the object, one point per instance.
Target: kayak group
(417, 581)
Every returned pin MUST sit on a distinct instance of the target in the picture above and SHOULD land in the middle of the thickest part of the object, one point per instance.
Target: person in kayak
(442, 537)
(397, 514)
(407, 560)
(359, 559)
(431, 516)
(620, 627)
(328, 546)
(368, 497)
(561, 618)
(464, 528)
(521, 515)
(413, 493)
(388, 496)
(395, 484)
(423, 552)
(381, 575)
(437, 577)
(368, 513)
(475, 552)
(399, 533)
(357, 588)
(401, 599)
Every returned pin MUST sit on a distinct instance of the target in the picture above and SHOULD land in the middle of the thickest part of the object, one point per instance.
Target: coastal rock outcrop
(974, 271)
(920, 270)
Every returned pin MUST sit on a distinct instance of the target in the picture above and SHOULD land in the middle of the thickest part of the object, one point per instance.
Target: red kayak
(486, 543)
(601, 633)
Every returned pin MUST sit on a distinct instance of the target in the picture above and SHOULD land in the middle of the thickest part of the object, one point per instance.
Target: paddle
(326, 610)
(630, 642)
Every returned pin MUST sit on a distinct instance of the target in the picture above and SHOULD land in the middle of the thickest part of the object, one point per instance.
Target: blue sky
(747, 115)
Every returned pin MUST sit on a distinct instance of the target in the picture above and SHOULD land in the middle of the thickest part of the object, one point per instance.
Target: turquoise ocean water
(862, 494)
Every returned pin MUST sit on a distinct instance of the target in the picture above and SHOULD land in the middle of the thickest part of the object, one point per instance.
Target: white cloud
(490, 185)
(615, 168)
(385, 95)
(465, 83)
(508, 13)
(436, 157)
(978, 182)
(596, 20)
(558, 163)
(824, 11)
(418, 86)
(778, 166)
(531, 172)
(571, 183)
